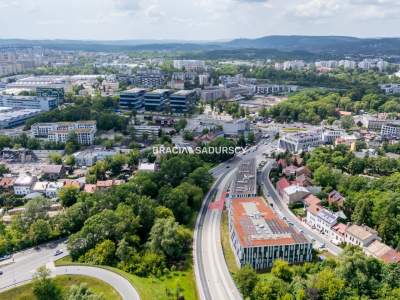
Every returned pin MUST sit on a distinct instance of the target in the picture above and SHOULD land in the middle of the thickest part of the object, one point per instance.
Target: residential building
(383, 252)
(300, 142)
(259, 237)
(149, 79)
(360, 235)
(330, 135)
(391, 130)
(244, 184)
(148, 131)
(189, 65)
(29, 102)
(52, 189)
(147, 167)
(390, 88)
(59, 132)
(23, 184)
(182, 101)
(281, 185)
(293, 194)
(321, 219)
(336, 198)
(337, 234)
(311, 200)
(372, 123)
(53, 172)
(89, 157)
(132, 99)
(273, 89)
(157, 100)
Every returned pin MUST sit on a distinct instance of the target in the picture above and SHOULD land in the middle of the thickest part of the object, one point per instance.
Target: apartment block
(59, 132)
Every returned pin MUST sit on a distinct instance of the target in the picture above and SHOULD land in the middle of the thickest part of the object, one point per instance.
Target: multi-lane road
(21, 267)
(212, 275)
(271, 195)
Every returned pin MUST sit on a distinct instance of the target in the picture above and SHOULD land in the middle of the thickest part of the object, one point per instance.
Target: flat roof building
(300, 142)
(30, 102)
(182, 101)
(157, 100)
(244, 184)
(259, 236)
(132, 99)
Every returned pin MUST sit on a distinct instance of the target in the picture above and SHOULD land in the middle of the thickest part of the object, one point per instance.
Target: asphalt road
(21, 267)
(119, 283)
(273, 197)
(212, 275)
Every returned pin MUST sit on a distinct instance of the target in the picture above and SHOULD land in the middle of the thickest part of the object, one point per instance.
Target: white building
(299, 142)
(88, 158)
(294, 193)
(360, 235)
(391, 130)
(321, 219)
(23, 184)
(236, 127)
(147, 130)
(390, 88)
(29, 102)
(189, 65)
(59, 132)
(329, 135)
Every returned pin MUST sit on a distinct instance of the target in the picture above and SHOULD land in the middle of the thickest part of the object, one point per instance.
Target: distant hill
(324, 46)
(319, 44)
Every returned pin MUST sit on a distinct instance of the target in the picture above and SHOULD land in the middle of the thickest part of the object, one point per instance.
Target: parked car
(58, 252)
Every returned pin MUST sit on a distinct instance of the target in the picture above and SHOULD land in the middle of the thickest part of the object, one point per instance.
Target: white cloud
(317, 8)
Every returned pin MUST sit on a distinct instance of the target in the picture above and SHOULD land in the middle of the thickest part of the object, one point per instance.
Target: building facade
(259, 237)
(132, 99)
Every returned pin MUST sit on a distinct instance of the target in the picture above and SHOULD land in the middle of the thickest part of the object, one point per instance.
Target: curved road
(119, 283)
(20, 269)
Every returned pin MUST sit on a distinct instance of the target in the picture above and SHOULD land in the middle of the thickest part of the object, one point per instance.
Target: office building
(12, 117)
(236, 127)
(30, 102)
(259, 236)
(132, 99)
(300, 142)
(212, 93)
(244, 184)
(51, 92)
(182, 101)
(157, 100)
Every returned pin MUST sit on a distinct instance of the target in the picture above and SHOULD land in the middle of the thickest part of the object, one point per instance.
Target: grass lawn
(25, 292)
(152, 288)
(226, 246)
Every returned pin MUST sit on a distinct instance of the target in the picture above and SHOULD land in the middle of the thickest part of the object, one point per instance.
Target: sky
(196, 19)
